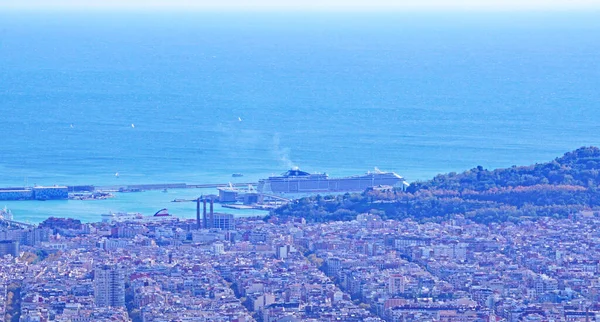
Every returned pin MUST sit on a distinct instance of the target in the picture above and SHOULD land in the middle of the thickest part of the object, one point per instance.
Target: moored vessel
(297, 181)
(161, 215)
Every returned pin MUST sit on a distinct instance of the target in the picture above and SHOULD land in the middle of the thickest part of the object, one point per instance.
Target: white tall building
(396, 283)
(218, 248)
(109, 286)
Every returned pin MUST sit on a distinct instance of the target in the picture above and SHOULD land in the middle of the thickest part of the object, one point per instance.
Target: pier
(64, 192)
(161, 186)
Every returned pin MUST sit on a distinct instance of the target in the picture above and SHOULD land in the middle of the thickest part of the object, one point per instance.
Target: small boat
(165, 190)
(237, 175)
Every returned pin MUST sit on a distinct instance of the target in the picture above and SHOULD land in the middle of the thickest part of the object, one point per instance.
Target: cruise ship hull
(308, 183)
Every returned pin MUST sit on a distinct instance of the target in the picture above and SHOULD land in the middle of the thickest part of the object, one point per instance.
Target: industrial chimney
(198, 213)
(212, 215)
(205, 222)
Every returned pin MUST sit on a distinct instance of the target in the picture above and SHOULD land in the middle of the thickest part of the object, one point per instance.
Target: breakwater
(162, 186)
(34, 193)
(62, 192)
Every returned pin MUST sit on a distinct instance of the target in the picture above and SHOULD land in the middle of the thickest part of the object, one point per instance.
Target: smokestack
(587, 314)
(211, 218)
(204, 214)
(198, 213)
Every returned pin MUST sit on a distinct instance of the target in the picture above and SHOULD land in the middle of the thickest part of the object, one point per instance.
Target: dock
(158, 186)
(249, 207)
(66, 192)
(184, 200)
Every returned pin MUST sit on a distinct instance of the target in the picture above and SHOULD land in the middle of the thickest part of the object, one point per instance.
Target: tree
(558, 188)
(13, 302)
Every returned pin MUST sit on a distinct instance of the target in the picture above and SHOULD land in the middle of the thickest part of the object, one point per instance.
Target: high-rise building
(222, 221)
(109, 286)
(28, 236)
(334, 264)
(9, 247)
(282, 251)
(396, 283)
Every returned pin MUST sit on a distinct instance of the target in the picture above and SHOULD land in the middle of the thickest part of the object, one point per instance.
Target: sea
(114, 98)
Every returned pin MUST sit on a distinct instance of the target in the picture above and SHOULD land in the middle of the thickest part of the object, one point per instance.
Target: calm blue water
(341, 93)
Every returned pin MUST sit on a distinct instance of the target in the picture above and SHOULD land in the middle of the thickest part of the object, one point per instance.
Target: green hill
(557, 188)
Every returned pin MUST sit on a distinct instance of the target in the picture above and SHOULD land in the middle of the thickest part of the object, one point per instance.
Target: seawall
(35, 193)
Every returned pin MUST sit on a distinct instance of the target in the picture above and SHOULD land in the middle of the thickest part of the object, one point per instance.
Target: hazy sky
(494, 5)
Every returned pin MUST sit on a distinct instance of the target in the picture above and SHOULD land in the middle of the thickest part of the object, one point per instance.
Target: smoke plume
(283, 154)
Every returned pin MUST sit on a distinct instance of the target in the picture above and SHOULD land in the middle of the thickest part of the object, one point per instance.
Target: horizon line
(591, 10)
(327, 6)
